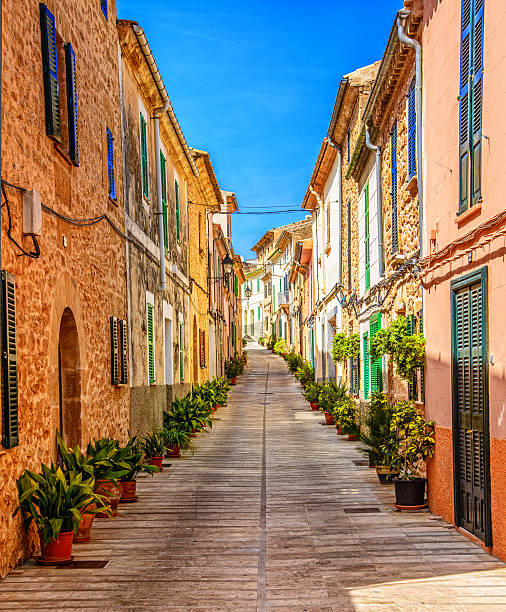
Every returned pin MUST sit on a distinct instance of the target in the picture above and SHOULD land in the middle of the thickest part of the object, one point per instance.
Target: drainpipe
(411, 42)
(156, 118)
(379, 216)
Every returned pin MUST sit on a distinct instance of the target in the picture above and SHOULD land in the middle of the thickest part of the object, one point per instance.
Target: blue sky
(254, 84)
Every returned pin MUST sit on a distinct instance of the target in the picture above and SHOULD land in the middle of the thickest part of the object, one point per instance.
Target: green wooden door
(365, 340)
(470, 405)
(376, 364)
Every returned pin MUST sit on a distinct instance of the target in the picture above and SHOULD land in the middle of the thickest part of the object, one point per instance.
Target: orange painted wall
(441, 57)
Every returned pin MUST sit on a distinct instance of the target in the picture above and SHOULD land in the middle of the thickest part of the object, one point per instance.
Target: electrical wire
(33, 254)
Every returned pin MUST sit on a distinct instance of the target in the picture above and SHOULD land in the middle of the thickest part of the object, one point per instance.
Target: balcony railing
(283, 298)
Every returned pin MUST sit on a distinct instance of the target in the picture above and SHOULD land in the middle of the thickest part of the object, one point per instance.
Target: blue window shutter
(393, 178)
(411, 131)
(70, 61)
(103, 5)
(50, 68)
(477, 99)
(110, 164)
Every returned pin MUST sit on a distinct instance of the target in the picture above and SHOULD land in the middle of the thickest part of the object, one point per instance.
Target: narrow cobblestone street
(272, 511)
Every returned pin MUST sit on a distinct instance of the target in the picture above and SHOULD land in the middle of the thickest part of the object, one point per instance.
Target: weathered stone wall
(87, 276)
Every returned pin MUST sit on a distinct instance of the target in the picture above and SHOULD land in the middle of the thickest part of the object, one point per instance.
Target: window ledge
(470, 213)
(59, 149)
(412, 185)
(113, 201)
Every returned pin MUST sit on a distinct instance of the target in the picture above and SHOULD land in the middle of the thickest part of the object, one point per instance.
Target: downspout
(379, 216)
(411, 42)
(156, 118)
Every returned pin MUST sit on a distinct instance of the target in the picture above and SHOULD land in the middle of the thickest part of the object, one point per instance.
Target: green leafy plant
(305, 374)
(153, 444)
(344, 346)
(346, 415)
(244, 342)
(294, 361)
(406, 350)
(376, 432)
(133, 455)
(410, 442)
(53, 500)
(331, 395)
(101, 457)
(312, 392)
(271, 342)
(176, 437)
(261, 340)
(280, 346)
(234, 366)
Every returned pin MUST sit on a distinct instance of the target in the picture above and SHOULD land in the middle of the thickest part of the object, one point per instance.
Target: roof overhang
(267, 237)
(211, 186)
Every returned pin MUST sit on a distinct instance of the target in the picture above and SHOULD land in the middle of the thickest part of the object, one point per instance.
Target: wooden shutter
(114, 351)
(163, 172)
(110, 164)
(144, 157)
(258, 285)
(477, 99)
(123, 348)
(103, 4)
(411, 131)
(151, 345)
(178, 214)
(50, 69)
(422, 369)
(70, 62)
(348, 207)
(393, 178)
(465, 103)
(202, 347)
(413, 383)
(348, 152)
(181, 352)
(367, 238)
(9, 361)
(377, 364)
(365, 343)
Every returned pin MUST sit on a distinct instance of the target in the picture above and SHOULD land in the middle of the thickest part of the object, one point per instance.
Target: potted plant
(53, 500)
(330, 397)
(176, 440)
(133, 456)
(377, 429)
(411, 442)
(232, 370)
(154, 448)
(346, 416)
(305, 374)
(312, 394)
(279, 347)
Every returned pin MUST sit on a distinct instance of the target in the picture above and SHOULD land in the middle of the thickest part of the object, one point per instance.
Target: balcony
(283, 299)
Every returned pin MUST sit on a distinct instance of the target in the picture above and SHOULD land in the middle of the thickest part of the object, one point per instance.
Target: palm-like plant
(153, 444)
(377, 429)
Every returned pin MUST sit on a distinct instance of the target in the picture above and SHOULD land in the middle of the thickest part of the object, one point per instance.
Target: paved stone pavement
(271, 512)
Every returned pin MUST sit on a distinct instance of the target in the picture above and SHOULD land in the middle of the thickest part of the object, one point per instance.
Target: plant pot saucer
(420, 507)
(129, 501)
(41, 561)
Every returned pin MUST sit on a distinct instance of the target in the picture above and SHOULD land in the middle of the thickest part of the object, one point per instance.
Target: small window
(110, 164)
(103, 5)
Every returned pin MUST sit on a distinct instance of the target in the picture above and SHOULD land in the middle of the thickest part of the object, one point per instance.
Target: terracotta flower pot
(58, 551)
(233, 380)
(129, 493)
(352, 437)
(315, 405)
(329, 418)
(156, 461)
(339, 430)
(174, 451)
(83, 532)
(111, 490)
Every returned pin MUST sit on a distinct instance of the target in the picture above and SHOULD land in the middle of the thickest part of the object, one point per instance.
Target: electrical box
(32, 213)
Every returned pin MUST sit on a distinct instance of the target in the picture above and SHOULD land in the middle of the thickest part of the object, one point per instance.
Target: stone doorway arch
(69, 380)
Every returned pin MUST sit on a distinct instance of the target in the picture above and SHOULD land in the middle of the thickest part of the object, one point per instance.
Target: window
(9, 361)
(376, 365)
(110, 164)
(411, 131)
(178, 218)
(181, 351)
(355, 375)
(202, 348)
(470, 102)
(259, 313)
(144, 157)
(51, 47)
(119, 365)
(393, 178)
(163, 172)
(151, 343)
(367, 239)
(365, 343)
(103, 4)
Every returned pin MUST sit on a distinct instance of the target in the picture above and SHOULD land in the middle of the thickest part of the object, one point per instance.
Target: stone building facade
(157, 171)
(60, 101)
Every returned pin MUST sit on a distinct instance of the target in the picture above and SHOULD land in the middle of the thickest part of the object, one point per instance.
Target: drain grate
(361, 510)
(85, 564)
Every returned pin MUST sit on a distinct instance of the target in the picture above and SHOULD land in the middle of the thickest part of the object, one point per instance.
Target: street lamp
(228, 264)
(247, 292)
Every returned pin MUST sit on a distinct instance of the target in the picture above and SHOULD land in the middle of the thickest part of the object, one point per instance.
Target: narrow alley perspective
(274, 511)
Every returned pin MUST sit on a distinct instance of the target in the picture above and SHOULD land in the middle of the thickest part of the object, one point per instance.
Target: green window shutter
(9, 361)
(393, 180)
(377, 364)
(114, 351)
(477, 99)
(258, 285)
(144, 157)
(259, 313)
(50, 70)
(367, 239)
(123, 349)
(280, 329)
(181, 352)
(151, 345)
(70, 62)
(365, 342)
(178, 217)
(163, 172)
